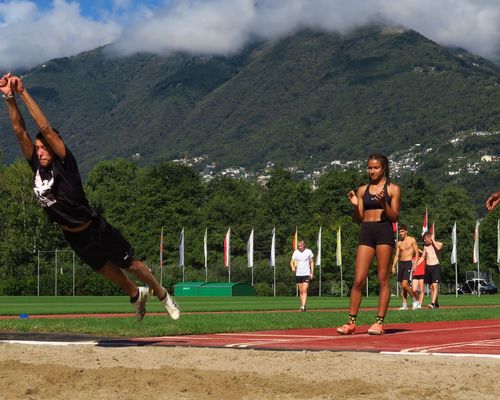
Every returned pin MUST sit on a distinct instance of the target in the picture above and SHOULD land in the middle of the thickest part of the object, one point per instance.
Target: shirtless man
(406, 250)
(432, 249)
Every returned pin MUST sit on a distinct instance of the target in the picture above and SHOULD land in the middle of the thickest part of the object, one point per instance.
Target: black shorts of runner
(374, 233)
(404, 270)
(100, 243)
(416, 277)
(303, 279)
(432, 274)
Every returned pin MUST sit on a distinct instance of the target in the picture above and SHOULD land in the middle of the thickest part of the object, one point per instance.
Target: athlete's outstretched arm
(15, 117)
(53, 139)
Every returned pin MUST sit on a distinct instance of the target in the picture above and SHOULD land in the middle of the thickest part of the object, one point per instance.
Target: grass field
(220, 314)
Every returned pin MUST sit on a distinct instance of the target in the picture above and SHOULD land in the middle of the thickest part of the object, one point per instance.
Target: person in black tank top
(376, 208)
(57, 185)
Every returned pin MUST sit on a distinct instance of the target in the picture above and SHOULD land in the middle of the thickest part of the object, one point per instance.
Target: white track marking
(402, 353)
(45, 343)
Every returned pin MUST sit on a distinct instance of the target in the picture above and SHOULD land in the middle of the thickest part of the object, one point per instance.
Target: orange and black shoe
(376, 329)
(347, 329)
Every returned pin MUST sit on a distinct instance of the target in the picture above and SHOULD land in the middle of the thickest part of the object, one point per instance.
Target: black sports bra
(370, 201)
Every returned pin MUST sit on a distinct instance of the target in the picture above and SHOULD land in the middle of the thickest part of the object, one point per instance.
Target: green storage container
(226, 289)
(213, 289)
(188, 288)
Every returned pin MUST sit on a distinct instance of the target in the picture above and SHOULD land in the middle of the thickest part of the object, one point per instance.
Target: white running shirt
(302, 258)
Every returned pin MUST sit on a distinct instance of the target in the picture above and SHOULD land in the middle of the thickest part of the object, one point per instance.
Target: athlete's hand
(380, 197)
(4, 85)
(352, 198)
(16, 84)
(492, 201)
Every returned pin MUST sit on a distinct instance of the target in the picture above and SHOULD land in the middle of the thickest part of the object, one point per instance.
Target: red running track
(480, 338)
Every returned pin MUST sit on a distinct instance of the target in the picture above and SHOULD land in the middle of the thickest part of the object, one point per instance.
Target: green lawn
(192, 322)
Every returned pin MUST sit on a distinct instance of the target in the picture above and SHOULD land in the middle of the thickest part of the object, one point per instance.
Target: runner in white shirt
(302, 264)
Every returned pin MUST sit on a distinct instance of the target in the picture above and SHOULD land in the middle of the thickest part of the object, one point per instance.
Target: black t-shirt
(59, 189)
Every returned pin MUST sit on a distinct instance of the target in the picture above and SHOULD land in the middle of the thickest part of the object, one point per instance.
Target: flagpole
(498, 244)
(397, 266)
(341, 283)
(252, 276)
(273, 260)
(161, 257)
(454, 255)
(478, 272)
(475, 257)
(318, 259)
(205, 252)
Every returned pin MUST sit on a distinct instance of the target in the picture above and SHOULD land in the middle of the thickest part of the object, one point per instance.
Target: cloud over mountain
(32, 34)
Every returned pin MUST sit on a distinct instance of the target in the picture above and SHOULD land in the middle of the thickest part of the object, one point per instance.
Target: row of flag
(475, 251)
(272, 257)
(250, 248)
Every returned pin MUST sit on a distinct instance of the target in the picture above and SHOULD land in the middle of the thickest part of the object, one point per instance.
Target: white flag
(181, 249)
(318, 258)
(475, 254)
(161, 248)
(250, 250)
(454, 244)
(227, 249)
(339, 248)
(272, 259)
(425, 223)
(205, 247)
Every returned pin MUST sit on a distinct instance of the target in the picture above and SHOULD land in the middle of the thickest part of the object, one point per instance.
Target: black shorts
(100, 243)
(415, 277)
(432, 274)
(374, 233)
(404, 270)
(303, 279)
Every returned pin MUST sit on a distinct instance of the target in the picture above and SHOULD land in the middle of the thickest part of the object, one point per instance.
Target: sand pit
(90, 372)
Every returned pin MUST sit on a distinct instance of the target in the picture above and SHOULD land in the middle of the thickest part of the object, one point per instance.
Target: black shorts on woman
(376, 233)
(303, 279)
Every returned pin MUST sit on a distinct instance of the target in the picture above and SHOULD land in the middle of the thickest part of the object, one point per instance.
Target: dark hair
(403, 227)
(382, 160)
(40, 136)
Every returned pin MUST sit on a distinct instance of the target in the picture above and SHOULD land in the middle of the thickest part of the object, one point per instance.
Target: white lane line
(402, 353)
(424, 349)
(40, 342)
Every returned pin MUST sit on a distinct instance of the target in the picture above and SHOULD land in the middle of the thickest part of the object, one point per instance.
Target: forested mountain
(304, 100)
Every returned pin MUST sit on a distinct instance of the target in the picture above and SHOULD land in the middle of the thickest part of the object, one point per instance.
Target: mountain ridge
(302, 100)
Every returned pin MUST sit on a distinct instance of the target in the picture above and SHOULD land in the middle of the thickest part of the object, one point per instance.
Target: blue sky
(96, 8)
(33, 32)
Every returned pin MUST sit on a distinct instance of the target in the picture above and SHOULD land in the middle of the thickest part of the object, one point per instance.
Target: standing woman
(376, 207)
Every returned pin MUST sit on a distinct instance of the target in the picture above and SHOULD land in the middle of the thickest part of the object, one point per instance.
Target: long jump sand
(90, 372)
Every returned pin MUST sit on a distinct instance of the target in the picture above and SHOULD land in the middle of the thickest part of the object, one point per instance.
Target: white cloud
(31, 35)
(224, 26)
(220, 26)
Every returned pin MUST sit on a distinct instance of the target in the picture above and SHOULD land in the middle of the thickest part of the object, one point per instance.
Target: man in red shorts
(417, 280)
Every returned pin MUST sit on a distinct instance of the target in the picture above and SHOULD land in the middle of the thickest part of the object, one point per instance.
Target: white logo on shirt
(43, 189)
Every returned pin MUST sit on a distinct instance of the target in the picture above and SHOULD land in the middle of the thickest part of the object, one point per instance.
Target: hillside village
(402, 162)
